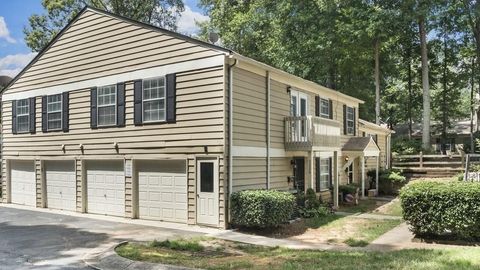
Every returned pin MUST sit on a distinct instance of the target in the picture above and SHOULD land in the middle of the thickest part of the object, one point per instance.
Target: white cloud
(11, 65)
(187, 21)
(4, 33)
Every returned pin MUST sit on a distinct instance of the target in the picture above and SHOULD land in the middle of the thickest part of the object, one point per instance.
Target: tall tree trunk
(425, 85)
(444, 98)
(377, 81)
(410, 94)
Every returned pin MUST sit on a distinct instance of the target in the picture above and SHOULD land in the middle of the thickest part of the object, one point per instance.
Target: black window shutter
(93, 107)
(330, 176)
(32, 114)
(65, 111)
(317, 106)
(14, 117)
(354, 121)
(121, 104)
(330, 107)
(317, 174)
(345, 119)
(137, 100)
(171, 98)
(44, 114)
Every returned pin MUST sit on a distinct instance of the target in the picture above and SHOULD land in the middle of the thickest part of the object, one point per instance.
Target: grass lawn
(363, 206)
(393, 208)
(219, 255)
(351, 231)
(343, 230)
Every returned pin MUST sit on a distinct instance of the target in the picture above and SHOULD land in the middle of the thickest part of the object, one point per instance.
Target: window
(23, 115)
(350, 174)
(107, 105)
(324, 108)
(323, 174)
(293, 106)
(350, 125)
(206, 177)
(54, 112)
(154, 100)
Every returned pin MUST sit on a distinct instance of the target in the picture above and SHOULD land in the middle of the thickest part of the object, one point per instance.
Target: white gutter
(230, 128)
(268, 129)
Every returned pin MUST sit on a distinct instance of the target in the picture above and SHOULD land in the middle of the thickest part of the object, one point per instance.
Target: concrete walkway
(369, 216)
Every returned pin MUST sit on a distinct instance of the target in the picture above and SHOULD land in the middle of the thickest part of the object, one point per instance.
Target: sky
(14, 53)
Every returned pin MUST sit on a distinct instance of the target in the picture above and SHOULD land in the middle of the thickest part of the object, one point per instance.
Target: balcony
(303, 133)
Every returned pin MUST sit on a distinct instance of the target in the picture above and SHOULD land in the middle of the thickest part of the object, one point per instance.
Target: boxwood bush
(261, 208)
(443, 210)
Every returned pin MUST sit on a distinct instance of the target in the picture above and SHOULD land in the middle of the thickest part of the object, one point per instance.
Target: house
(457, 138)
(115, 117)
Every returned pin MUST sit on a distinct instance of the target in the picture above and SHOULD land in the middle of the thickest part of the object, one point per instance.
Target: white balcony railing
(305, 132)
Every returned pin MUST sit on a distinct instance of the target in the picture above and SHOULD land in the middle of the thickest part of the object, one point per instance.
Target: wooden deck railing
(305, 132)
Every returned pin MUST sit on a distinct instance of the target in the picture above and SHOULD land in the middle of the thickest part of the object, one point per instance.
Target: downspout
(230, 129)
(268, 129)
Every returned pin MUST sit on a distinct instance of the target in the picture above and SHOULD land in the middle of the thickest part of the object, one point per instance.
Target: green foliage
(261, 208)
(390, 181)
(320, 211)
(405, 146)
(459, 177)
(436, 209)
(348, 189)
(180, 244)
(311, 199)
(352, 242)
(43, 27)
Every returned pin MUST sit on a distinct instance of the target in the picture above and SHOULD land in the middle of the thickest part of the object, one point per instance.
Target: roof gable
(84, 34)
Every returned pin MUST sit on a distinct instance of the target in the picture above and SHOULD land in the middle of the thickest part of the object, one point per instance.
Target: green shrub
(390, 181)
(406, 146)
(459, 177)
(436, 209)
(261, 208)
(348, 189)
(311, 199)
(320, 211)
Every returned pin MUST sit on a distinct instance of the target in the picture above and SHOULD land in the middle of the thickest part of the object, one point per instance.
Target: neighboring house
(458, 136)
(120, 118)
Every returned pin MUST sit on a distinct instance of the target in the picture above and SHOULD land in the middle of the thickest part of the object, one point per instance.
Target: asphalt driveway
(31, 239)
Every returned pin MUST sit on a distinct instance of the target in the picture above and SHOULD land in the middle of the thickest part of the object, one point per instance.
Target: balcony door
(299, 107)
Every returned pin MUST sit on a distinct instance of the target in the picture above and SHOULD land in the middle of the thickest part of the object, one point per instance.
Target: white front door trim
(207, 200)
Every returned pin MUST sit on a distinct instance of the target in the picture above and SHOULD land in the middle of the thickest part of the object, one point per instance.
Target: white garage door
(162, 187)
(106, 188)
(61, 185)
(23, 186)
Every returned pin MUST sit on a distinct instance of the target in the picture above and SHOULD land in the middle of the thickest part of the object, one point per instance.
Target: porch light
(289, 89)
(346, 158)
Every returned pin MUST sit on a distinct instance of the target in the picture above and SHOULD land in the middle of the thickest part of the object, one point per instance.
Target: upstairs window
(107, 105)
(325, 108)
(54, 112)
(153, 98)
(350, 121)
(23, 115)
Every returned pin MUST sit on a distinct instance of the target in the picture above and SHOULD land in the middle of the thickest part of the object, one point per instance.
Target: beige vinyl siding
(249, 173)
(99, 45)
(279, 109)
(280, 170)
(250, 109)
(200, 120)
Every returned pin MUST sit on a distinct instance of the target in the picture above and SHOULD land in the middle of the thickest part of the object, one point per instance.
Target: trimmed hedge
(449, 210)
(261, 208)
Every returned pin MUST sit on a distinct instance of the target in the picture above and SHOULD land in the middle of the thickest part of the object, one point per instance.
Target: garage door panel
(61, 185)
(163, 190)
(106, 188)
(23, 184)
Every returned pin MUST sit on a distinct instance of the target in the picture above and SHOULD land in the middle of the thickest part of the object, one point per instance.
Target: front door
(207, 192)
(299, 173)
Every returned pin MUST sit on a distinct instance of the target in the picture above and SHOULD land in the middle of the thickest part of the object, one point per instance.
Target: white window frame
(153, 99)
(327, 115)
(348, 120)
(61, 113)
(322, 173)
(17, 115)
(115, 105)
